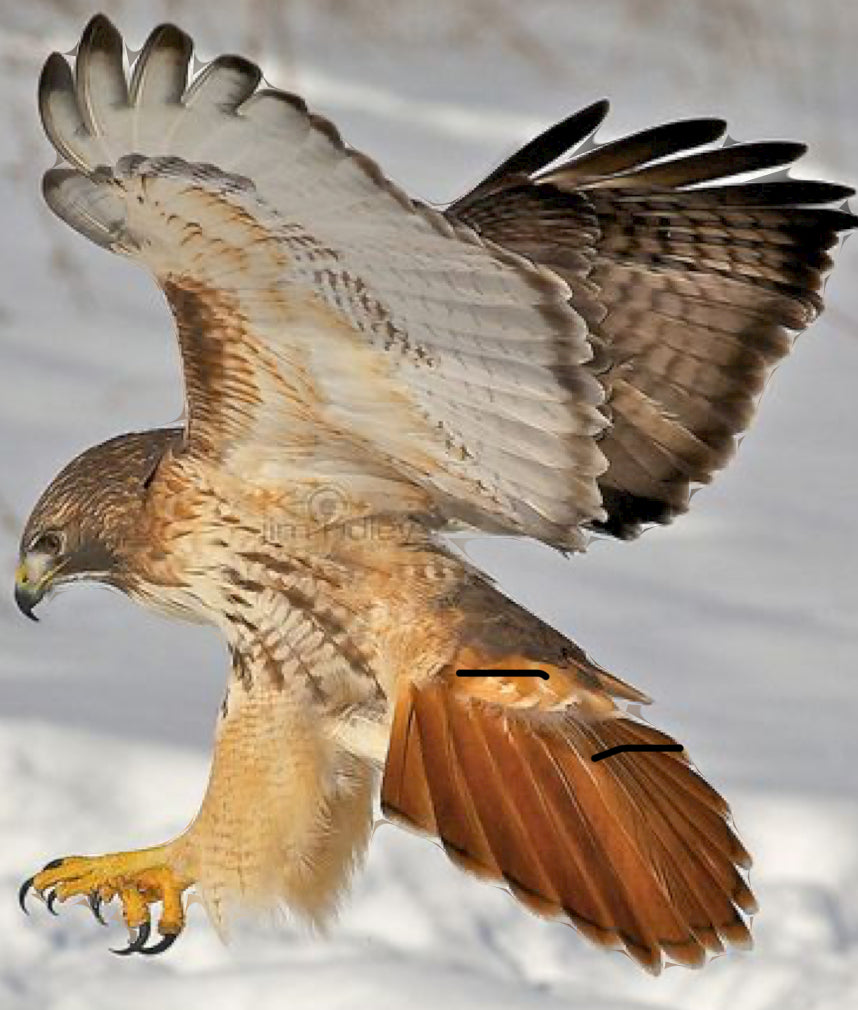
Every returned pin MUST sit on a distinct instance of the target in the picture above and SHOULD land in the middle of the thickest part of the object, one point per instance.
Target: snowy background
(740, 620)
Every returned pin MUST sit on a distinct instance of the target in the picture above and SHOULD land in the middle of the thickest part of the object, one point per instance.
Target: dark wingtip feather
(55, 80)
(542, 150)
(100, 37)
(56, 75)
(55, 177)
(551, 143)
(639, 149)
(100, 33)
(166, 36)
(794, 149)
(100, 80)
(705, 166)
(684, 135)
(68, 193)
(779, 193)
(247, 68)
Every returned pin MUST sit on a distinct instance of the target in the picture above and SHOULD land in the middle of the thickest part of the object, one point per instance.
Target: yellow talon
(138, 879)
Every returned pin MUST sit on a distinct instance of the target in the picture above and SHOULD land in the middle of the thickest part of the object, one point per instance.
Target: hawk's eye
(48, 543)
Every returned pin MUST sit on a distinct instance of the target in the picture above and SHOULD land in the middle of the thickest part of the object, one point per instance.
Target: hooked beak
(29, 592)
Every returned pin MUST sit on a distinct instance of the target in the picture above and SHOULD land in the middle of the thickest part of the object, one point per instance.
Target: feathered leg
(286, 816)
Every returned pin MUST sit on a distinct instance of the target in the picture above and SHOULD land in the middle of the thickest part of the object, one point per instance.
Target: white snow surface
(739, 620)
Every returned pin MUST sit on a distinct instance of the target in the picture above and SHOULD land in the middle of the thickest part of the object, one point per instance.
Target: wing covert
(690, 291)
(331, 329)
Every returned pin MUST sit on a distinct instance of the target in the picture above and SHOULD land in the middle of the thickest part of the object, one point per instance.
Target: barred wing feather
(330, 328)
(692, 281)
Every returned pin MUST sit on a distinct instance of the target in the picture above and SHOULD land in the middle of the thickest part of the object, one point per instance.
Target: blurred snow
(739, 621)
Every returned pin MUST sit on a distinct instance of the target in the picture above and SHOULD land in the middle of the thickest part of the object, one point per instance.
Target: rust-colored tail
(636, 849)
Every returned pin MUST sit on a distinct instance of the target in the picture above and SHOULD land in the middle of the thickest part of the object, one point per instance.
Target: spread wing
(692, 285)
(330, 328)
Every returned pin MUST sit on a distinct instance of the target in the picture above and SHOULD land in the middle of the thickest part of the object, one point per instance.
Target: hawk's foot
(138, 879)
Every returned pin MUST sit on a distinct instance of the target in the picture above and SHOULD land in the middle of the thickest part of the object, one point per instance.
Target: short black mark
(502, 673)
(621, 748)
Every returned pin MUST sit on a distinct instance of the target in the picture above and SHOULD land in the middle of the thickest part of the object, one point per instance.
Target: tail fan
(635, 850)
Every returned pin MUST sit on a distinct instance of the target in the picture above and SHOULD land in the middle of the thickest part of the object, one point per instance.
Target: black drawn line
(502, 673)
(611, 751)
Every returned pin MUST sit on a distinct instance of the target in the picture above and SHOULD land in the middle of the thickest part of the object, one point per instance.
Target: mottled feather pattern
(688, 290)
(254, 197)
(573, 345)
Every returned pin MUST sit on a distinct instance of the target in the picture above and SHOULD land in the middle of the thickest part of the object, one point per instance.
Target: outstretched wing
(330, 328)
(690, 291)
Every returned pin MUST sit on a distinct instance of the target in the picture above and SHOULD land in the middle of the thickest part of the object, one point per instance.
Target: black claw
(137, 942)
(23, 891)
(94, 899)
(52, 897)
(164, 944)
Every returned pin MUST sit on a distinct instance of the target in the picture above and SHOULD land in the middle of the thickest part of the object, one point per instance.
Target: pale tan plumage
(570, 346)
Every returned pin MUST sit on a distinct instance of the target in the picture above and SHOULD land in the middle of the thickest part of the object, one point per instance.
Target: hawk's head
(88, 521)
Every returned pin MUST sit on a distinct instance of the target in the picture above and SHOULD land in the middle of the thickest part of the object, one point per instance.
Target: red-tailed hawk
(569, 347)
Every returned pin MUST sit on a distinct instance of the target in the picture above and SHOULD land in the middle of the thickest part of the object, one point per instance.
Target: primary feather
(342, 303)
(685, 294)
(572, 345)
(689, 292)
